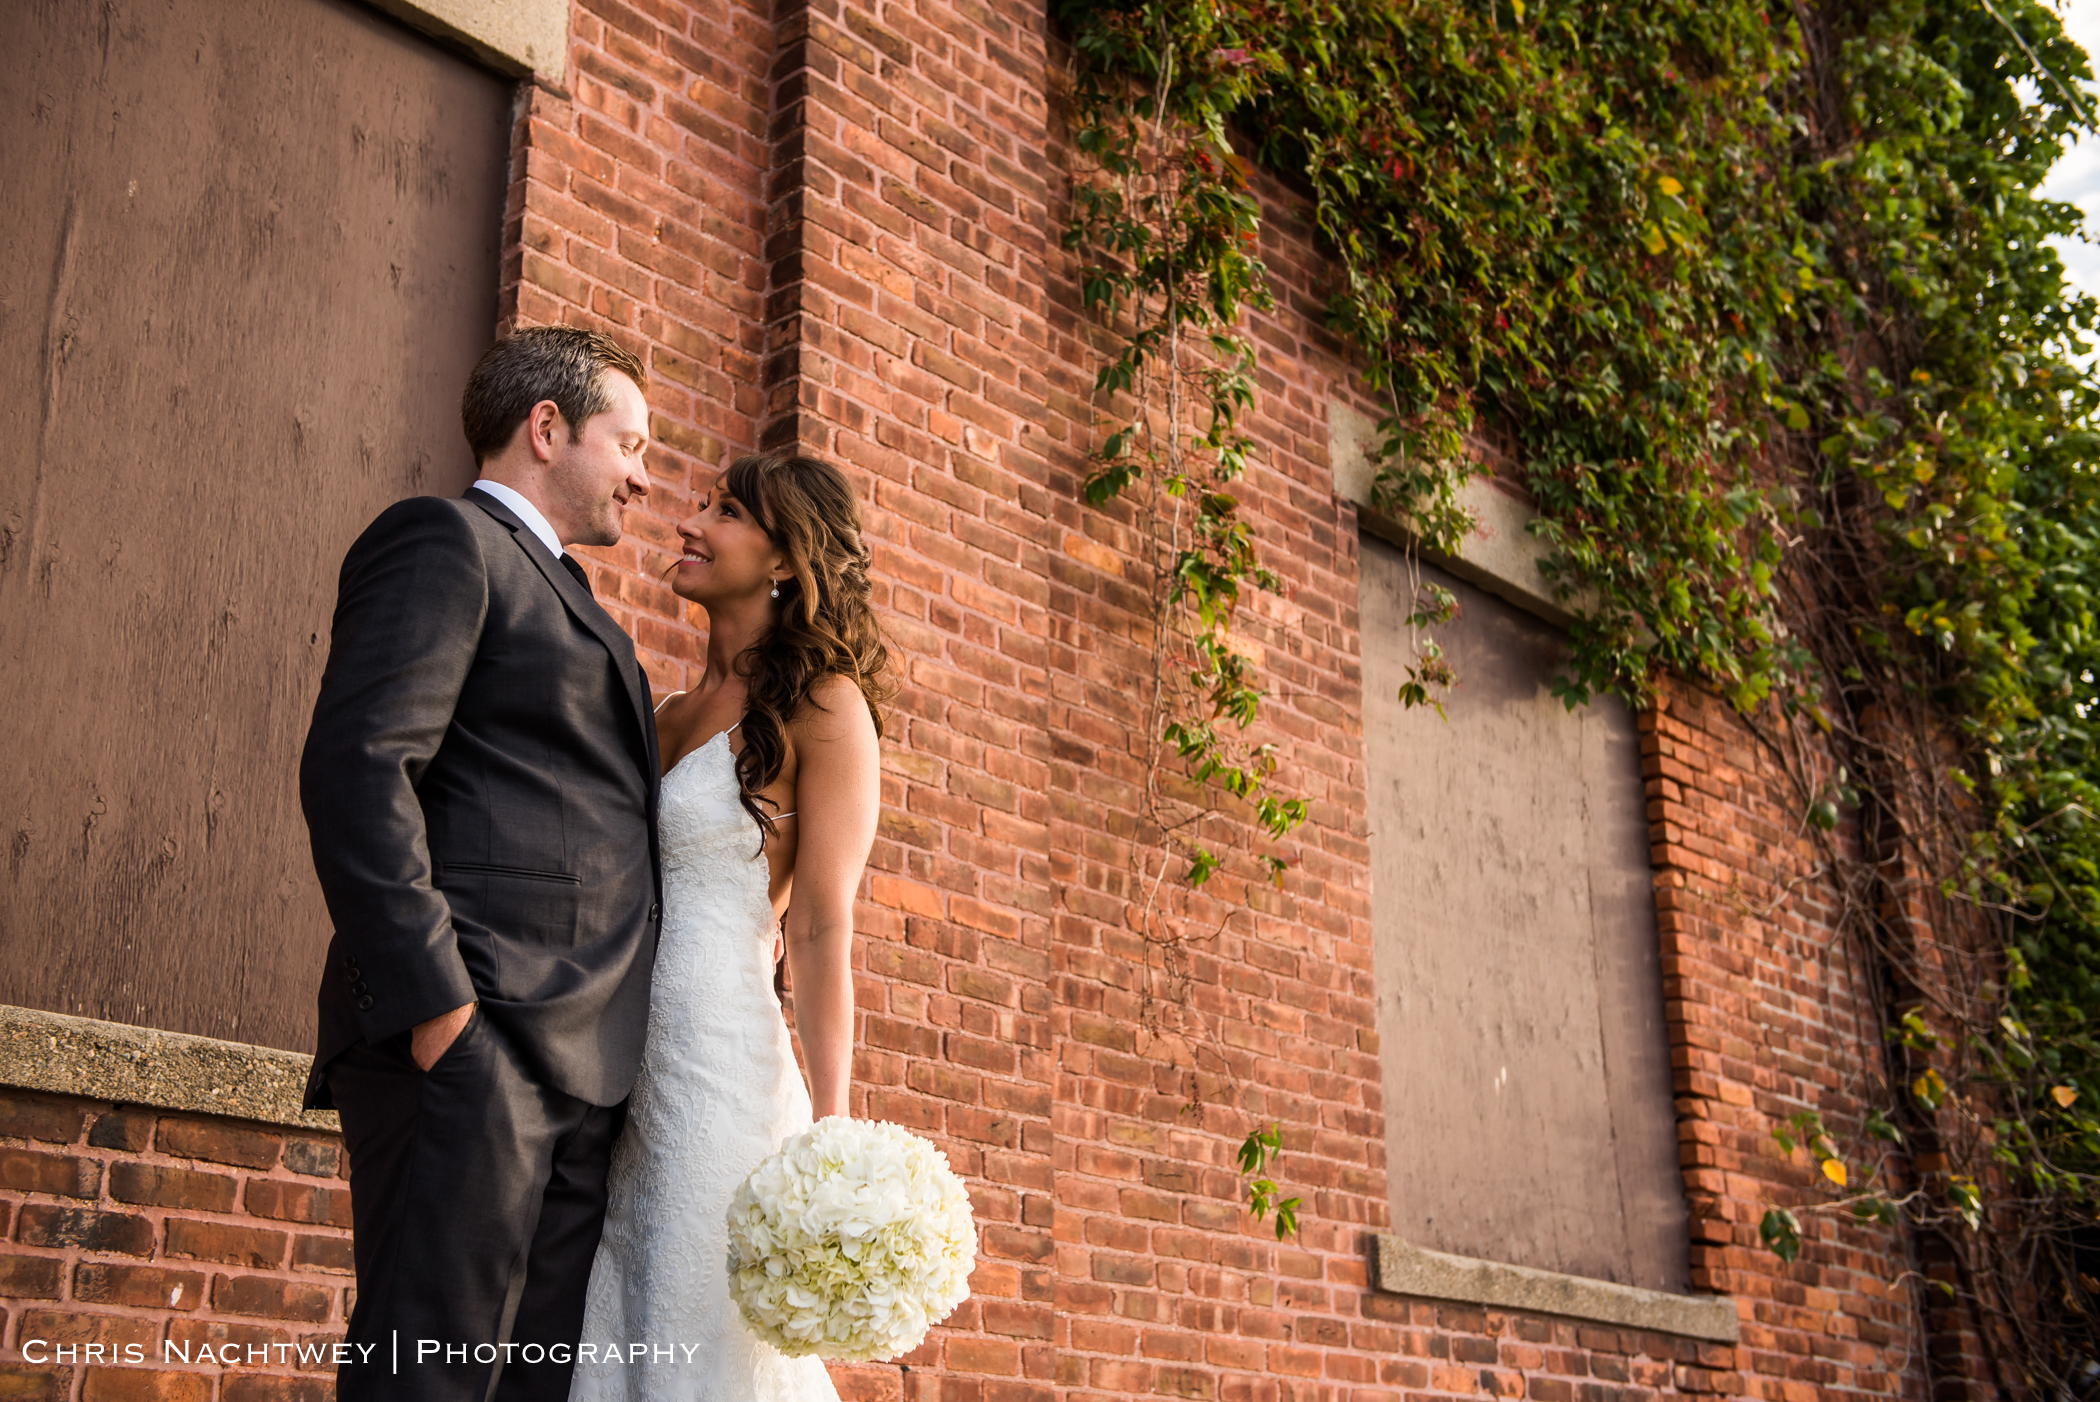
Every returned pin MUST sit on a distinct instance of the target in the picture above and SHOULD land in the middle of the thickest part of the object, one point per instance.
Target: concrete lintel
(85, 1056)
(1501, 555)
(1431, 1275)
(518, 37)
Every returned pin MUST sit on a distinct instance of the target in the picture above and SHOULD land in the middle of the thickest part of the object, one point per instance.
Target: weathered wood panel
(248, 255)
(1520, 1009)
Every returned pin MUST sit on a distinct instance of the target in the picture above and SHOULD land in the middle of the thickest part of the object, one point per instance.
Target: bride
(770, 799)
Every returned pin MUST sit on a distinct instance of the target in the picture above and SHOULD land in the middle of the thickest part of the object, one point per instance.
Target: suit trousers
(477, 1196)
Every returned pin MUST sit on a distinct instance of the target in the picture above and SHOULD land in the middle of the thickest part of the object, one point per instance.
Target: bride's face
(727, 557)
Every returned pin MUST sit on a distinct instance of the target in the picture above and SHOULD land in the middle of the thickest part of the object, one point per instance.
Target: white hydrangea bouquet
(850, 1242)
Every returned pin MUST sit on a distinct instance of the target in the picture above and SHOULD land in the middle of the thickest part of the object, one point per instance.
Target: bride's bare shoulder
(835, 712)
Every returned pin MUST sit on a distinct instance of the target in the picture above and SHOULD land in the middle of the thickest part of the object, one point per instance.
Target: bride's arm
(838, 798)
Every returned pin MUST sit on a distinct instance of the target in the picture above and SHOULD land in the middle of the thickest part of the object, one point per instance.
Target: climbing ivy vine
(1172, 225)
(1758, 299)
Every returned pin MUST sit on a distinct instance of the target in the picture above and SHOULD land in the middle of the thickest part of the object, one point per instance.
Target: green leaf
(1781, 1233)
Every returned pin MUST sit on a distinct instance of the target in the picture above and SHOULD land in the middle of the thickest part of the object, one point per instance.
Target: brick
(112, 1331)
(270, 1298)
(140, 1287)
(129, 1130)
(123, 1233)
(298, 1202)
(56, 1175)
(24, 1382)
(195, 1336)
(316, 1158)
(30, 1277)
(144, 1385)
(218, 1142)
(995, 1357)
(323, 1253)
(29, 1116)
(248, 1387)
(154, 1185)
(225, 1244)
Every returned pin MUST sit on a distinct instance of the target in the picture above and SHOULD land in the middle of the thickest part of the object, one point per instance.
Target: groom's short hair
(563, 363)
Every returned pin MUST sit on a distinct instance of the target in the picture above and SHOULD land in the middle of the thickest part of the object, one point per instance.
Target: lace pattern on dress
(718, 1091)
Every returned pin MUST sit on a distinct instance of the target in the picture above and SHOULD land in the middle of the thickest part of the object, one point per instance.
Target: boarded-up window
(1520, 1013)
(248, 255)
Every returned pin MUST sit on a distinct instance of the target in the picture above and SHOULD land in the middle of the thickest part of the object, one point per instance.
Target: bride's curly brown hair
(825, 624)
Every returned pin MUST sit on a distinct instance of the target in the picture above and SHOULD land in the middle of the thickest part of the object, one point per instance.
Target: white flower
(851, 1242)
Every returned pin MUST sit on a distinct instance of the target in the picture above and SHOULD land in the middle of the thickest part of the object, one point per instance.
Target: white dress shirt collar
(525, 511)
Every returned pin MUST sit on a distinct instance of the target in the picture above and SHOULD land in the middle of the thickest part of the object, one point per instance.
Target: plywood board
(248, 257)
(1524, 1056)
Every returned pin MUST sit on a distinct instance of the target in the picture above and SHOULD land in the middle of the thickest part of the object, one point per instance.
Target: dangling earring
(776, 588)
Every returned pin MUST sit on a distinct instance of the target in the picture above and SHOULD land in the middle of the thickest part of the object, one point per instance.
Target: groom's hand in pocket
(432, 1039)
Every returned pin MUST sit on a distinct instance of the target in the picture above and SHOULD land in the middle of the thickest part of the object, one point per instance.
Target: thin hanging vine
(1165, 227)
(1168, 228)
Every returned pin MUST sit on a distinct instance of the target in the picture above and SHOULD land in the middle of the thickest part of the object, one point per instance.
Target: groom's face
(595, 473)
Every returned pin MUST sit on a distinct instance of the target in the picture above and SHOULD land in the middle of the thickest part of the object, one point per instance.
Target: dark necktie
(569, 561)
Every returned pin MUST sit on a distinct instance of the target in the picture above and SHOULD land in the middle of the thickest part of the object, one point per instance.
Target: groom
(480, 787)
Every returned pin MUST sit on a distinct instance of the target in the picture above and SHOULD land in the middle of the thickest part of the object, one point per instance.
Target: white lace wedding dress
(719, 1090)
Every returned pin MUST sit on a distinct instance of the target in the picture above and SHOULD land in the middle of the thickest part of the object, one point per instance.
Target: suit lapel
(587, 611)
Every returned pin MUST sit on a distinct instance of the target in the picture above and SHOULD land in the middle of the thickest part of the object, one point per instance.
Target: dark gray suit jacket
(480, 786)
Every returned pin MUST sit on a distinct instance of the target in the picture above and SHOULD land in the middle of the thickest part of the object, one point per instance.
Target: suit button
(655, 911)
(350, 963)
(360, 987)
(364, 1004)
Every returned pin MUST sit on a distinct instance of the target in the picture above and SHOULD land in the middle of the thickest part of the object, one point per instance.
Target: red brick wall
(835, 226)
(1768, 1015)
(133, 1239)
(908, 329)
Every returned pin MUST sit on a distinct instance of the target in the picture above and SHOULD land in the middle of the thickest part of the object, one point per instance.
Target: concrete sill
(112, 1061)
(516, 37)
(1402, 1269)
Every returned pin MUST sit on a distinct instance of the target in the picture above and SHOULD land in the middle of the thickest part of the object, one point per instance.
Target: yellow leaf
(1653, 237)
(1669, 186)
(1834, 1170)
(2063, 1095)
